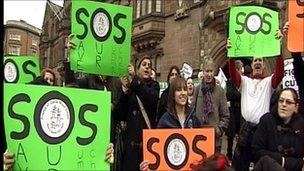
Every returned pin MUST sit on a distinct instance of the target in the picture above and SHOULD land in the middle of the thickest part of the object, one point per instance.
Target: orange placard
(177, 149)
(295, 40)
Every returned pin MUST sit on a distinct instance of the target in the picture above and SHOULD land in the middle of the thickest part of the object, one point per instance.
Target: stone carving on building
(182, 11)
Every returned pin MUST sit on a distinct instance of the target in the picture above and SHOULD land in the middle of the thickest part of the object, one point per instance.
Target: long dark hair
(170, 71)
(176, 84)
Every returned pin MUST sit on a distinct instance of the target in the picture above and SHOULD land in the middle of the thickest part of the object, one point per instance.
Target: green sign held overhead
(21, 69)
(252, 32)
(52, 128)
(102, 35)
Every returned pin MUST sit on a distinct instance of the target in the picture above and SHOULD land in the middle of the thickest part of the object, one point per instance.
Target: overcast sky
(30, 11)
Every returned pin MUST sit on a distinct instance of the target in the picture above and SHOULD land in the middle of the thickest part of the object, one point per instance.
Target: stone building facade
(170, 31)
(55, 32)
(188, 31)
(21, 38)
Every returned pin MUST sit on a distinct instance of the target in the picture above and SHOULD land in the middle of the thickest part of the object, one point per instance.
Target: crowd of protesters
(269, 137)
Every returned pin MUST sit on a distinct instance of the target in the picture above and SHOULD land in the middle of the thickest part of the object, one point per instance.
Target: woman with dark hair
(138, 89)
(179, 114)
(47, 77)
(280, 135)
(174, 72)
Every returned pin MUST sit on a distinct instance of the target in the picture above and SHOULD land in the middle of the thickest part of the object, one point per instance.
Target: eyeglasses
(288, 102)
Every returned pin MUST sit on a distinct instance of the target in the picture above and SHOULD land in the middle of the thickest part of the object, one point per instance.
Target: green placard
(21, 69)
(252, 32)
(102, 34)
(55, 128)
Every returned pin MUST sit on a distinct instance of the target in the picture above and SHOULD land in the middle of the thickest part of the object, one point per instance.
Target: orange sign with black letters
(296, 29)
(176, 149)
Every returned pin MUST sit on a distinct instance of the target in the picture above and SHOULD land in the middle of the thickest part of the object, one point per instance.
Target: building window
(158, 6)
(149, 6)
(144, 7)
(138, 6)
(14, 50)
(13, 36)
(34, 42)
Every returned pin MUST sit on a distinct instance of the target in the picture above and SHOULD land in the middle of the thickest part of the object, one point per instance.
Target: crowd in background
(269, 135)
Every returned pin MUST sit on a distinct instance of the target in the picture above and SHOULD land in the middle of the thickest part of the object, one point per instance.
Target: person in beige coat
(210, 103)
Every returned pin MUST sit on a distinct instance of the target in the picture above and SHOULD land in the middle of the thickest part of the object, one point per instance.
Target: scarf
(207, 90)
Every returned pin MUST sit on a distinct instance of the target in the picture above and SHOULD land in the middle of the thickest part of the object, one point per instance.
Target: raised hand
(70, 44)
(8, 160)
(110, 154)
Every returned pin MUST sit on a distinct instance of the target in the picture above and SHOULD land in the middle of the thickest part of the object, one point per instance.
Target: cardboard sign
(53, 128)
(289, 79)
(295, 38)
(176, 149)
(252, 32)
(21, 69)
(102, 34)
(187, 70)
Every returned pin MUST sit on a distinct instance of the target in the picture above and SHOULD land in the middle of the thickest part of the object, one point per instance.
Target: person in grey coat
(210, 103)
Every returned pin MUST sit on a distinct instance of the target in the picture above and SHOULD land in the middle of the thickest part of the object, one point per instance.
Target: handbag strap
(143, 111)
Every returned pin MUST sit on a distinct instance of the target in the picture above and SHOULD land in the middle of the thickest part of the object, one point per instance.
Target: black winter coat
(277, 140)
(128, 110)
(169, 120)
(298, 65)
(162, 106)
(234, 97)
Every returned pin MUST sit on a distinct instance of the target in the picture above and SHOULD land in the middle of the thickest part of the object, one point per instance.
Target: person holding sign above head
(137, 106)
(280, 136)
(256, 91)
(210, 104)
(298, 64)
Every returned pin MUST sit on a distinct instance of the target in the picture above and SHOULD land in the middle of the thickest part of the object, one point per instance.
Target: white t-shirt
(255, 98)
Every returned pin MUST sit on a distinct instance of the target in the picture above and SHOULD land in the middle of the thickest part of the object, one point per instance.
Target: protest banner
(102, 35)
(295, 38)
(21, 69)
(53, 128)
(252, 32)
(186, 70)
(289, 79)
(176, 149)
